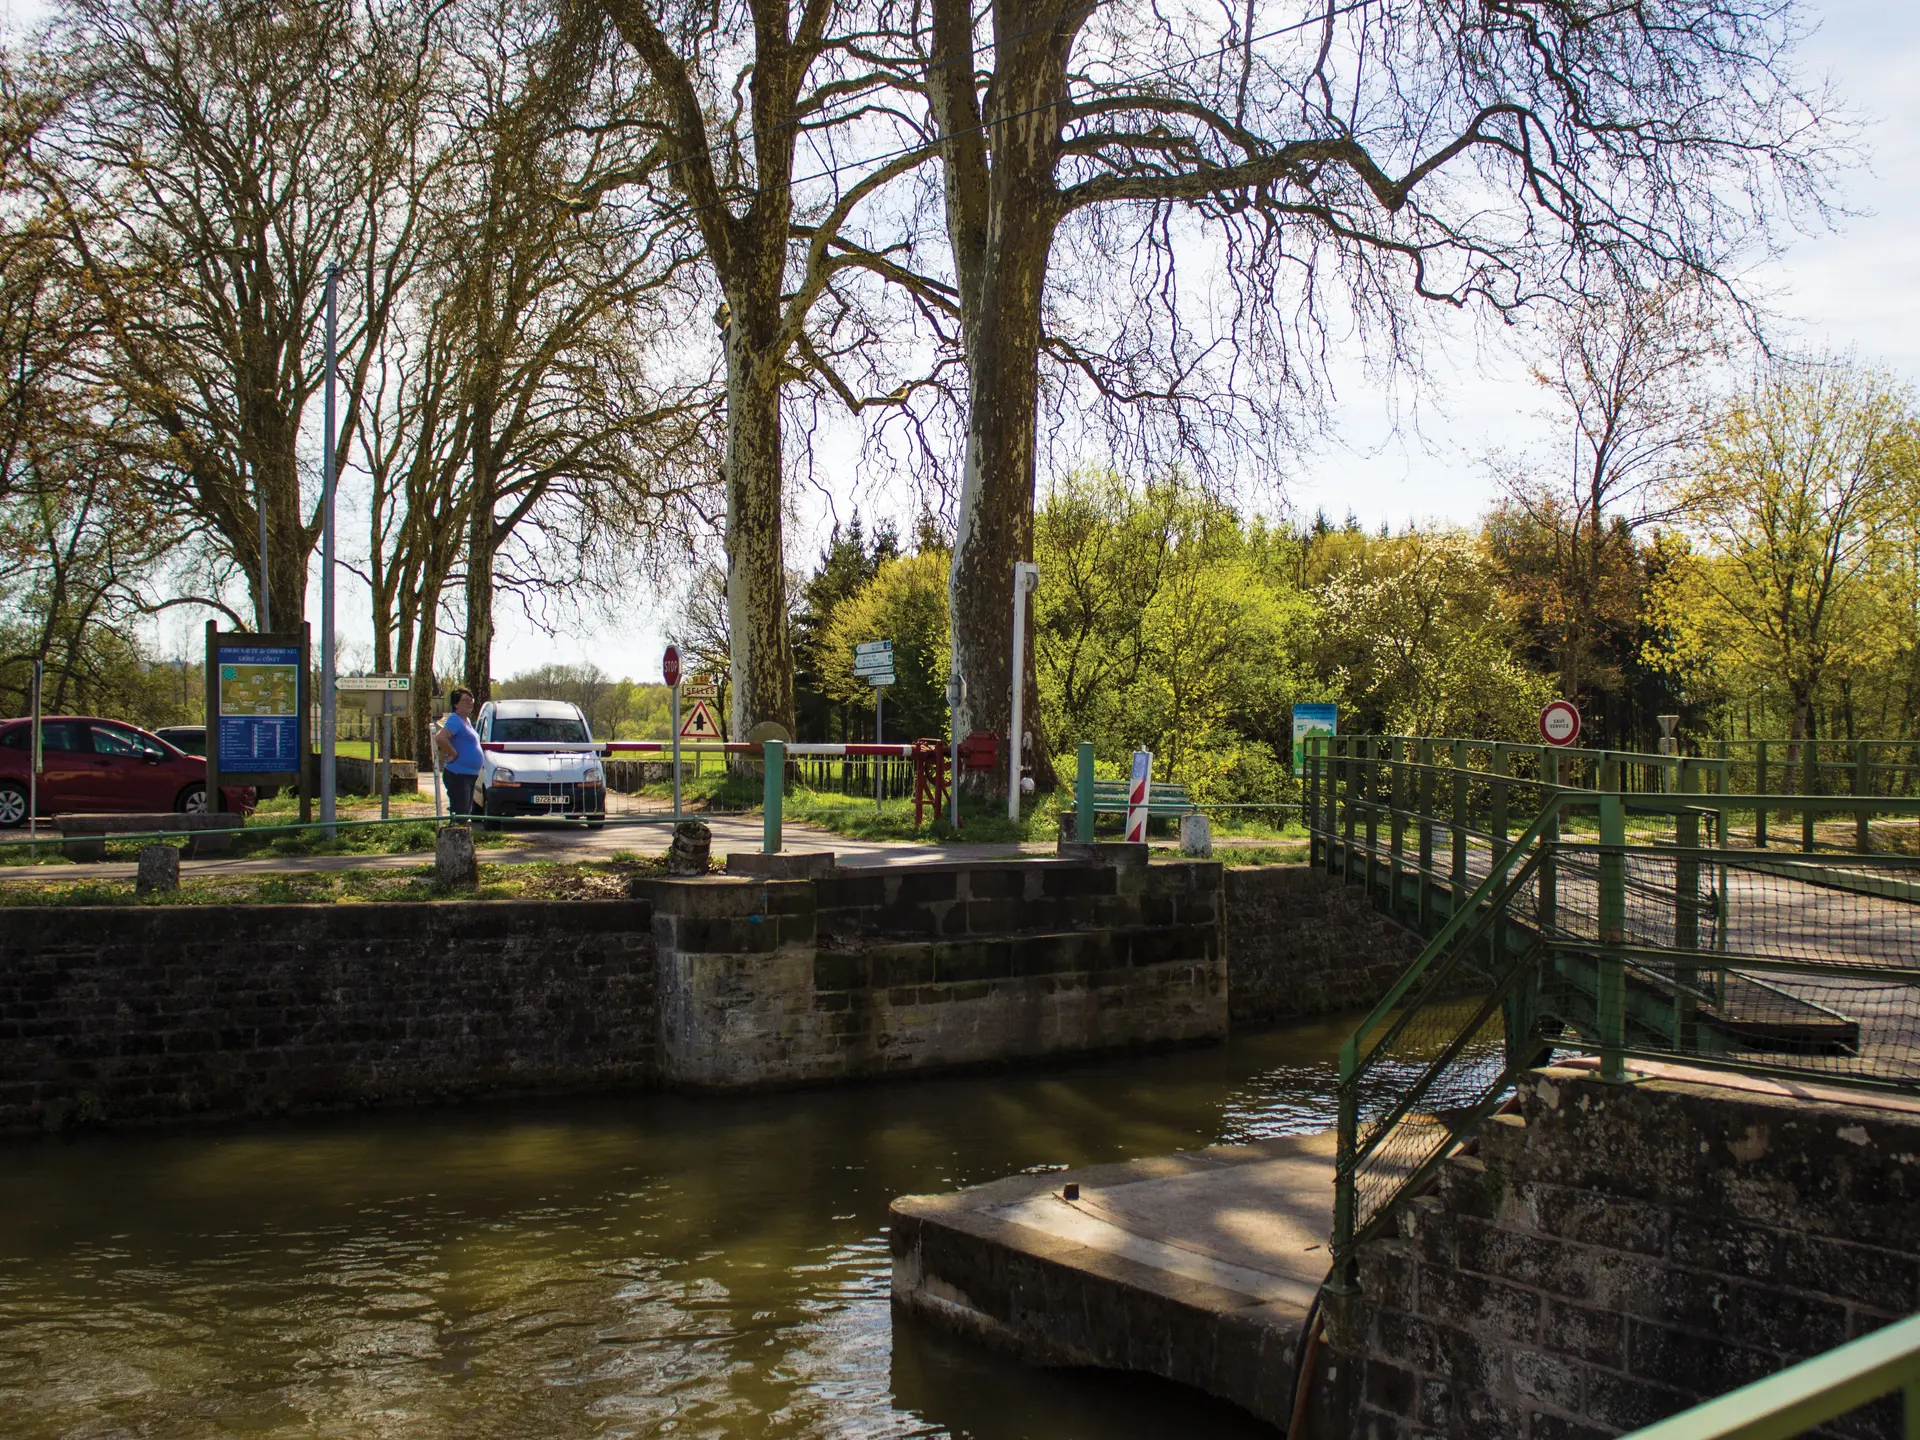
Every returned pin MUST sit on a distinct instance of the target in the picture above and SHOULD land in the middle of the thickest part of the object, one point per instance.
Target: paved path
(645, 818)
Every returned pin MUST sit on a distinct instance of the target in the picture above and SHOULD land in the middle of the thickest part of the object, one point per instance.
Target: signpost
(1310, 722)
(382, 695)
(1026, 576)
(873, 662)
(257, 711)
(670, 672)
(1559, 722)
(36, 762)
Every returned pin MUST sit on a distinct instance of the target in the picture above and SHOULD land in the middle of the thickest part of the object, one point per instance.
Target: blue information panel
(1310, 722)
(259, 709)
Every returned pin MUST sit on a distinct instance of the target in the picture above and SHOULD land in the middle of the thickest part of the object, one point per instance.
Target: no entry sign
(1559, 722)
(670, 665)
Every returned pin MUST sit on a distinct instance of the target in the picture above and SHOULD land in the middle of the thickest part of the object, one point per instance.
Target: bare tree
(1348, 160)
(212, 161)
(774, 180)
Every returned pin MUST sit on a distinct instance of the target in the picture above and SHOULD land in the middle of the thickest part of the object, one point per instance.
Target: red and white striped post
(1138, 790)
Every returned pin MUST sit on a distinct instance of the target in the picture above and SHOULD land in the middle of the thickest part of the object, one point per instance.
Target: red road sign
(670, 666)
(1559, 722)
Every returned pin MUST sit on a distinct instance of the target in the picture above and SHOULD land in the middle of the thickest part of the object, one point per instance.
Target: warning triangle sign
(699, 724)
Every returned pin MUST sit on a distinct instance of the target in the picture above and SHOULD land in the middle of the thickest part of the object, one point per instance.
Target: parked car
(189, 739)
(89, 764)
(566, 781)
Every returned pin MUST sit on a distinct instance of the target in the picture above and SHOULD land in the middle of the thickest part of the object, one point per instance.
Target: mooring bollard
(159, 871)
(453, 858)
(692, 849)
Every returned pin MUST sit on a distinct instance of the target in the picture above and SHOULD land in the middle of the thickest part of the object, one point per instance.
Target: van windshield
(553, 732)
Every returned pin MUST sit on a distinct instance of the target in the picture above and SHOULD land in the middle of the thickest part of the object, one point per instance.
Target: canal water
(631, 1266)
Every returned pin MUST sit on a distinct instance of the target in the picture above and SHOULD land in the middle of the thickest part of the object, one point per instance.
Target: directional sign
(374, 682)
(699, 724)
(872, 647)
(879, 678)
(699, 690)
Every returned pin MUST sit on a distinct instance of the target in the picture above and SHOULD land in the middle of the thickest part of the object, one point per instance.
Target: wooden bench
(83, 837)
(1164, 802)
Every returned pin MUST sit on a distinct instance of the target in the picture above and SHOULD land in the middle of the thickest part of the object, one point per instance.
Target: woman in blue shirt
(462, 767)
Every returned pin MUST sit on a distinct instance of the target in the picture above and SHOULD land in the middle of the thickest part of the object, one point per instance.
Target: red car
(103, 765)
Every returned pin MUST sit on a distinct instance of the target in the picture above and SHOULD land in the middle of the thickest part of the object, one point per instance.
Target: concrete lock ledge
(1197, 1267)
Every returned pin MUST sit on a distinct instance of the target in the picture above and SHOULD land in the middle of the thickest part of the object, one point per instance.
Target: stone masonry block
(838, 971)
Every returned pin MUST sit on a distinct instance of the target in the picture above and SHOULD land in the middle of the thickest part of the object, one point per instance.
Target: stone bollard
(1196, 836)
(159, 872)
(692, 848)
(453, 861)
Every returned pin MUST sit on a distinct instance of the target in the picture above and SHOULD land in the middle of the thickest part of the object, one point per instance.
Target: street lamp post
(327, 477)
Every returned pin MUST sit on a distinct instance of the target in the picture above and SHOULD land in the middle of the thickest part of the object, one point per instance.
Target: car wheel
(13, 805)
(192, 800)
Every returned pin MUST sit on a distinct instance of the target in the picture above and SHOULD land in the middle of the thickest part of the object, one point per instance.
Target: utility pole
(327, 477)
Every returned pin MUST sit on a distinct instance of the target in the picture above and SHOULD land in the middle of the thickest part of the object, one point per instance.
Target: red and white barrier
(711, 747)
(1138, 790)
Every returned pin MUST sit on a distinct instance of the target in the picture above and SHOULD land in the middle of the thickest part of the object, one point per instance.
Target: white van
(567, 780)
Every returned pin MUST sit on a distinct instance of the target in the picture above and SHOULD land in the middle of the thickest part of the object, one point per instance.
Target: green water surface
(626, 1266)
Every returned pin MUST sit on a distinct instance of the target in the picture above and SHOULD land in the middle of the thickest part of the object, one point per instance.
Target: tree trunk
(420, 715)
(288, 543)
(480, 553)
(761, 652)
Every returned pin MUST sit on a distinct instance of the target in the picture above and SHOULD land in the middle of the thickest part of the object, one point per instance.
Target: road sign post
(1026, 576)
(381, 695)
(670, 672)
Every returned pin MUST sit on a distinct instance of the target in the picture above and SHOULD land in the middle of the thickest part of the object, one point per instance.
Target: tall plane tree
(212, 160)
(1348, 160)
(766, 180)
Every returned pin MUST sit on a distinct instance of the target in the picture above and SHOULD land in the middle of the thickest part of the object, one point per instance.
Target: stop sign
(670, 666)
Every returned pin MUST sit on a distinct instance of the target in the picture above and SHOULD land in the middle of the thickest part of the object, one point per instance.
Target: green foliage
(906, 602)
(1164, 621)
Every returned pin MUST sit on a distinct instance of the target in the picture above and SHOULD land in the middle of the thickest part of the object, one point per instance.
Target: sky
(1417, 457)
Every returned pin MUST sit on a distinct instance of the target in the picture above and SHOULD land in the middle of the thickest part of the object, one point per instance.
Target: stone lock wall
(1613, 1254)
(777, 982)
(153, 1013)
(1302, 943)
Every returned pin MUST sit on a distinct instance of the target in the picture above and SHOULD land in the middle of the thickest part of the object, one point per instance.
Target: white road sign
(879, 678)
(374, 682)
(872, 647)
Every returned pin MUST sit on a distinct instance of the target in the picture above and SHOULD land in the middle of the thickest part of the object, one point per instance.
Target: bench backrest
(1161, 799)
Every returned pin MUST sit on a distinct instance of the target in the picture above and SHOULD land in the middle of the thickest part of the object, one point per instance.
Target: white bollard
(1196, 836)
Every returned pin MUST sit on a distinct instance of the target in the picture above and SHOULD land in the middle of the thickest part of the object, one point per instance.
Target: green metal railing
(1810, 1393)
(1619, 922)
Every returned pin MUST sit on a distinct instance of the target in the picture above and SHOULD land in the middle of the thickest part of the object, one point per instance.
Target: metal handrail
(1810, 1393)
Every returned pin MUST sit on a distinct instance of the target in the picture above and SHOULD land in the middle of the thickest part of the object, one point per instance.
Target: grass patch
(1235, 856)
(573, 880)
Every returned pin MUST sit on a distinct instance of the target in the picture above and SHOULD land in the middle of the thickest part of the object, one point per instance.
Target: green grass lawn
(582, 880)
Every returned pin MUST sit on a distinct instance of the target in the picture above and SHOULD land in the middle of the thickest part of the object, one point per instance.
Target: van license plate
(549, 799)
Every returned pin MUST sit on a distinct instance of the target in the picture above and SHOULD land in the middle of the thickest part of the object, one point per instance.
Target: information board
(1309, 722)
(259, 709)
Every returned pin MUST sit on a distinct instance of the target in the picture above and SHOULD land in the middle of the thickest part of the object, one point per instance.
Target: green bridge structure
(1624, 906)
(1609, 903)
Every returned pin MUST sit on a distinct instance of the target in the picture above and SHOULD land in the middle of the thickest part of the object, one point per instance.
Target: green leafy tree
(905, 602)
